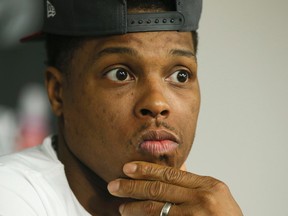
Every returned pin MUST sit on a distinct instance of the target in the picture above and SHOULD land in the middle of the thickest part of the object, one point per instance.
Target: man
(122, 81)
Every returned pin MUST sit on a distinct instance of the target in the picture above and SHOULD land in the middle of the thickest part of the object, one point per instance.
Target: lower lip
(159, 147)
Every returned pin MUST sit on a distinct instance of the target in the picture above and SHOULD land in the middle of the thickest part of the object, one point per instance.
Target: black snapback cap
(110, 17)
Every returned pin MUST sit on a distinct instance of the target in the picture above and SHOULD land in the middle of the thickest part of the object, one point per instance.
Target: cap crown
(110, 17)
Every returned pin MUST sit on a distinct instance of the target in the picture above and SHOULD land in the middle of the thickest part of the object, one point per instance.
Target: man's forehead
(141, 44)
(167, 38)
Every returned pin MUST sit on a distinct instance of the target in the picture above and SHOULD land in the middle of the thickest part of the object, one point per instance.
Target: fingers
(153, 185)
(144, 208)
(163, 192)
(149, 190)
(150, 171)
(215, 201)
(141, 208)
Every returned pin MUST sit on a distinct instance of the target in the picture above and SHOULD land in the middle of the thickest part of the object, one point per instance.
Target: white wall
(242, 135)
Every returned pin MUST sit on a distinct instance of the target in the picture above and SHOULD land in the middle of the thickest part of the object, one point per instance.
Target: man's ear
(54, 87)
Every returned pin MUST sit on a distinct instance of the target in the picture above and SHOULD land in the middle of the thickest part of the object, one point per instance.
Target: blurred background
(242, 135)
(25, 117)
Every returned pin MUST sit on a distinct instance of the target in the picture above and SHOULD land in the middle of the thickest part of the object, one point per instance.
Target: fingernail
(113, 186)
(121, 209)
(130, 168)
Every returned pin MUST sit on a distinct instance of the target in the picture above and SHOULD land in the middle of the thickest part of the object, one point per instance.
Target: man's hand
(154, 185)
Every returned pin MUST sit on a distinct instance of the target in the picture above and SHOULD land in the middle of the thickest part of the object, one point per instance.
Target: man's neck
(90, 190)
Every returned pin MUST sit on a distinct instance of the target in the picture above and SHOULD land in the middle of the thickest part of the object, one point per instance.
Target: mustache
(157, 124)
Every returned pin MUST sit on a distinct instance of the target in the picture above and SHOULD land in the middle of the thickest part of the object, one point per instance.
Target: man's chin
(163, 160)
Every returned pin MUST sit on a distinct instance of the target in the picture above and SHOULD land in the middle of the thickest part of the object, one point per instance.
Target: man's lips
(158, 142)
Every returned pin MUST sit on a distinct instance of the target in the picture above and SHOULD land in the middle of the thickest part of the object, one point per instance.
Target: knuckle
(156, 190)
(209, 198)
(220, 187)
(128, 187)
(150, 208)
(172, 175)
(214, 184)
(146, 170)
(208, 201)
(210, 181)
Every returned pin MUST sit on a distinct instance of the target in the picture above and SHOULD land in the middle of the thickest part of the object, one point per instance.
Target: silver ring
(166, 208)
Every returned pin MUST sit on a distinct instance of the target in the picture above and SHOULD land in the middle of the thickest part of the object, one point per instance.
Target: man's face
(131, 98)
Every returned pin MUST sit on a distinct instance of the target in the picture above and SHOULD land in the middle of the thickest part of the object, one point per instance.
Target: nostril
(164, 113)
(145, 112)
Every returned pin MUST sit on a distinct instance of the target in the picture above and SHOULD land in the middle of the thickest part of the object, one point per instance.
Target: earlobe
(54, 87)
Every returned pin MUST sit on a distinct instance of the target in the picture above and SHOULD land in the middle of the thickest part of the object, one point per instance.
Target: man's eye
(180, 76)
(119, 74)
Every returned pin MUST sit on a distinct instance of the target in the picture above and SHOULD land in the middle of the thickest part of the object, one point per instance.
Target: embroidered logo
(51, 12)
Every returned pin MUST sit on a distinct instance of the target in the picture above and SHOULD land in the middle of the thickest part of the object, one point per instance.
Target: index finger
(170, 175)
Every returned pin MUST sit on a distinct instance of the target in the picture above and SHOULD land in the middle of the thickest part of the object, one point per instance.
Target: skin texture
(103, 123)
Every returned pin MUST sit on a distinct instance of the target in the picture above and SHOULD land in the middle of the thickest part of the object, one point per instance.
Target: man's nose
(152, 103)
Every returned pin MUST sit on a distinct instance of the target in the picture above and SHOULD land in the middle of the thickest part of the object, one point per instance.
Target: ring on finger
(166, 208)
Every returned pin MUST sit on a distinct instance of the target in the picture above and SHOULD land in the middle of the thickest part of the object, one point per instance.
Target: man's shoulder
(41, 158)
(22, 171)
(27, 179)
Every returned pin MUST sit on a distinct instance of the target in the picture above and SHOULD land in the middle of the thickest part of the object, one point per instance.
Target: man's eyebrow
(180, 52)
(115, 50)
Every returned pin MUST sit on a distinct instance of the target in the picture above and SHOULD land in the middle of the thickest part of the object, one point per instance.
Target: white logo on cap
(51, 12)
